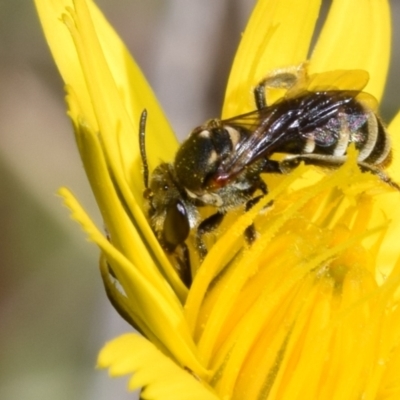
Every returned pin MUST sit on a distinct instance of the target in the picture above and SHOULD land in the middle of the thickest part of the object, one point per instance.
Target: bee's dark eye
(176, 225)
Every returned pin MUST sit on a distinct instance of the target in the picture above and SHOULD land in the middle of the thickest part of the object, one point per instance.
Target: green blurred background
(54, 315)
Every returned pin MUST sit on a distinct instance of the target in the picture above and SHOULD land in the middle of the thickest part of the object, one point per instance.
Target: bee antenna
(142, 147)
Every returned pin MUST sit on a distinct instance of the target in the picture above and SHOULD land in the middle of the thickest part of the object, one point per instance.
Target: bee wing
(256, 139)
(369, 101)
(348, 80)
(277, 128)
(355, 79)
(249, 121)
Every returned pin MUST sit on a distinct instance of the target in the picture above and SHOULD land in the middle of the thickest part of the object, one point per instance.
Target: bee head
(167, 209)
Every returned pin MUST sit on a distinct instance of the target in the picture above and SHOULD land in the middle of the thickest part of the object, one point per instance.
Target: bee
(221, 162)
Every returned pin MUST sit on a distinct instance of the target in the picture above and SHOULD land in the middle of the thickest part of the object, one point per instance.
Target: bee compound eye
(176, 225)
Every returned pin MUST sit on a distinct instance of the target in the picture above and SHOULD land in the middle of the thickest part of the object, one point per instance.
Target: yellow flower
(310, 310)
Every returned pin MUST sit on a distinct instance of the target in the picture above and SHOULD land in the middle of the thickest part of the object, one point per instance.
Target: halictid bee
(220, 163)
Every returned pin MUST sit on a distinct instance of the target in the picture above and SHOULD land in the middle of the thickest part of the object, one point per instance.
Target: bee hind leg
(320, 160)
(280, 79)
(333, 162)
(379, 173)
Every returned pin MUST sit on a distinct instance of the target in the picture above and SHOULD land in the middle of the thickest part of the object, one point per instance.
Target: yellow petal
(278, 35)
(224, 252)
(157, 374)
(156, 306)
(121, 218)
(105, 92)
(271, 309)
(389, 248)
(394, 131)
(112, 90)
(120, 226)
(356, 35)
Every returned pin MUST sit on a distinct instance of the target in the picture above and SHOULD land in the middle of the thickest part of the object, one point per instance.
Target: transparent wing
(347, 80)
(283, 127)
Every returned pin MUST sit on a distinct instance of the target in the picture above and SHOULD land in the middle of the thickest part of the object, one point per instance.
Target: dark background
(54, 315)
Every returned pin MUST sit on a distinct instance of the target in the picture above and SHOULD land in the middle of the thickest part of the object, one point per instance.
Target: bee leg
(289, 164)
(282, 79)
(250, 232)
(208, 225)
(259, 96)
(320, 160)
(268, 166)
(271, 167)
(333, 162)
(381, 174)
